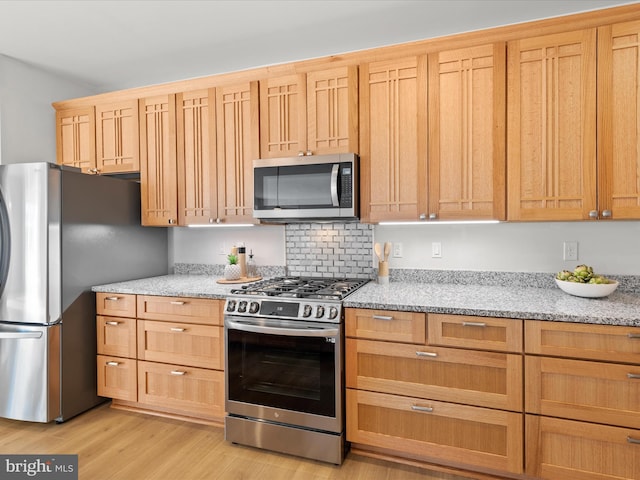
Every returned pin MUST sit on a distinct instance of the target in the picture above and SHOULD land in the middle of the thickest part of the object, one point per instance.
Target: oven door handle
(292, 332)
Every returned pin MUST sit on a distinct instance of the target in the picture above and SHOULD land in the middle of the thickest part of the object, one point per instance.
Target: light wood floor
(120, 445)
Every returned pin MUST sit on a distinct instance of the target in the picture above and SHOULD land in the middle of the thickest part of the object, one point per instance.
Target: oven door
(284, 371)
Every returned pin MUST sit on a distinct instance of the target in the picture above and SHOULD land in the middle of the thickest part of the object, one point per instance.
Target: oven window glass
(293, 373)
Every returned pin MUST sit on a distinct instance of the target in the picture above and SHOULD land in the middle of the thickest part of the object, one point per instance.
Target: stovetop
(302, 287)
(293, 298)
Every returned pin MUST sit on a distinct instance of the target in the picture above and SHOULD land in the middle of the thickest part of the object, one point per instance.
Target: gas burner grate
(302, 287)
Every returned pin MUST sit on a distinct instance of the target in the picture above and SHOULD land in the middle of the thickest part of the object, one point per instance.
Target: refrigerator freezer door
(30, 372)
(30, 233)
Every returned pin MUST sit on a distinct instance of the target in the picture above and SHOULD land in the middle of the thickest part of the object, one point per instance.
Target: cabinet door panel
(117, 137)
(117, 378)
(590, 391)
(332, 111)
(389, 325)
(552, 127)
(197, 192)
(610, 343)
(181, 344)
(76, 138)
(116, 336)
(485, 379)
(204, 311)
(116, 304)
(467, 133)
(436, 431)
(191, 391)
(619, 117)
(238, 145)
(393, 126)
(568, 450)
(283, 123)
(158, 176)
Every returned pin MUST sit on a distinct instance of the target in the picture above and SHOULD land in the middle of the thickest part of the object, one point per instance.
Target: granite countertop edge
(620, 308)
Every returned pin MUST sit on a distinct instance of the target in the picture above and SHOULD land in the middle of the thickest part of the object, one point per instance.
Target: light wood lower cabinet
(168, 360)
(570, 450)
(436, 431)
(487, 379)
(186, 390)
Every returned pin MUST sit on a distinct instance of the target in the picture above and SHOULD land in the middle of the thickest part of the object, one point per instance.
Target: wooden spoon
(387, 250)
(378, 250)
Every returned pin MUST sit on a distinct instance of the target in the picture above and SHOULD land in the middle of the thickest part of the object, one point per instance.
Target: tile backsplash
(329, 250)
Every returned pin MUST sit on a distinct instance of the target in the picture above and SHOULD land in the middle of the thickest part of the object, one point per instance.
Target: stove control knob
(306, 311)
(254, 307)
(242, 306)
(320, 311)
(333, 312)
(231, 305)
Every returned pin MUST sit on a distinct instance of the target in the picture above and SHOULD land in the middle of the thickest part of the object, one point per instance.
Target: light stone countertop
(619, 308)
(499, 301)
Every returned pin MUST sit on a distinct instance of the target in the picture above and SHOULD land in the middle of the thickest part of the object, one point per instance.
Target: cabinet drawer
(116, 336)
(190, 391)
(436, 431)
(597, 342)
(117, 378)
(487, 379)
(484, 333)
(175, 309)
(181, 343)
(393, 326)
(591, 391)
(116, 304)
(570, 450)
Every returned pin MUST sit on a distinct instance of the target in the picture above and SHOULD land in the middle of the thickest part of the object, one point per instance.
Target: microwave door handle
(334, 185)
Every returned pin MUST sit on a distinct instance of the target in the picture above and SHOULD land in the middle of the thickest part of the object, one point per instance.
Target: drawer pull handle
(634, 335)
(634, 376)
(176, 329)
(178, 372)
(115, 324)
(113, 299)
(113, 364)
(633, 440)
(176, 302)
(418, 408)
(426, 354)
(474, 324)
(382, 317)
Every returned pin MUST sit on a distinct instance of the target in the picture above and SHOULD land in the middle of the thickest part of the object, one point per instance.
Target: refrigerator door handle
(5, 243)
(19, 335)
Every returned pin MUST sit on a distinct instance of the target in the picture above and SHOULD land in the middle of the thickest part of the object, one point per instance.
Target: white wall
(611, 247)
(27, 119)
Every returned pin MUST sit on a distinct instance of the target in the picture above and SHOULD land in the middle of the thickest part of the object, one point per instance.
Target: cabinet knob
(433, 216)
(606, 214)
(218, 220)
(309, 153)
(93, 171)
(172, 221)
(593, 214)
(423, 216)
(301, 153)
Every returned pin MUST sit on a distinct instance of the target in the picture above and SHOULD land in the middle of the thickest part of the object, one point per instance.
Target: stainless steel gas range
(284, 366)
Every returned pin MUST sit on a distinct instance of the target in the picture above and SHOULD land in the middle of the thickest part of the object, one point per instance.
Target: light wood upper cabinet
(552, 127)
(332, 111)
(196, 155)
(283, 116)
(237, 126)
(75, 138)
(158, 174)
(618, 119)
(117, 137)
(467, 133)
(393, 118)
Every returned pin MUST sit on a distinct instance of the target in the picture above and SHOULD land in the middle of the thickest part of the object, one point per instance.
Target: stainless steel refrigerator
(61, 232)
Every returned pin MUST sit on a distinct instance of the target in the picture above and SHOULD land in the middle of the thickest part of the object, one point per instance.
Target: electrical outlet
(436, 250)
(397, 250)
(570, 251)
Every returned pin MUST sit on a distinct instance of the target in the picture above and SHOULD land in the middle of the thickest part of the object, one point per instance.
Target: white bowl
(588, 290)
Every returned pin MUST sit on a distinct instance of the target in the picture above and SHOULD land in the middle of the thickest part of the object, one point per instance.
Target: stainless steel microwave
(321, 187)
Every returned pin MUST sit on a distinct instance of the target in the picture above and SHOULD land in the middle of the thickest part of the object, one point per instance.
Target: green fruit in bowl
(582, 274)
